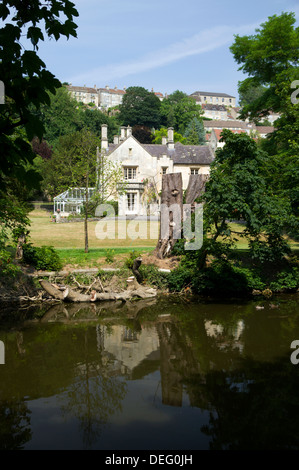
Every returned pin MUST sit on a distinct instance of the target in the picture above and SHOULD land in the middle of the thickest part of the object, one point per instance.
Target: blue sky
(160, 44)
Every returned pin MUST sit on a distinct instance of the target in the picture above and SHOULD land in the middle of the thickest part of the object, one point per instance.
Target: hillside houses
(206, 97)
(101, 98)
(215, 128)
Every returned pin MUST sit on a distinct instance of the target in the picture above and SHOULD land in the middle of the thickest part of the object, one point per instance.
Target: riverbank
(217, 280)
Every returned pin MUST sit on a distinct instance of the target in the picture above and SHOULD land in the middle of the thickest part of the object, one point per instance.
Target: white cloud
(202, 42)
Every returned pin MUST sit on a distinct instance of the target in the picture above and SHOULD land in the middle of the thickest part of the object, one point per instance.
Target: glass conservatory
(71, 201)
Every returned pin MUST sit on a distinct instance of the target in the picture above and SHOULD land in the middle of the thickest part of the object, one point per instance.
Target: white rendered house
(143, 166)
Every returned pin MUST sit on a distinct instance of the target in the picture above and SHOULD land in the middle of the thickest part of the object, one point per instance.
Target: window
(130, 152)
(164, 170)
(129, 173)
(131, 201)
(194, 171)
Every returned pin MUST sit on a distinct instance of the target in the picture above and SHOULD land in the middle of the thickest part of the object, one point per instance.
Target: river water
(168, 373)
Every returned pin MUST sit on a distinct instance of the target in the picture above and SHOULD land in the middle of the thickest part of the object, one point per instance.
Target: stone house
(144, 164)
(84, 94)
(206, 97)
(110, 97)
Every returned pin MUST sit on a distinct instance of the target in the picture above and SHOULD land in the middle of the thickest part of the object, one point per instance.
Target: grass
(120, 238)
(97, 257)
(125, 234)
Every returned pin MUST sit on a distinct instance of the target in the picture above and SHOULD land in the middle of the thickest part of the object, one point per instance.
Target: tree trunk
(170, 214)
(70, 295)
(86, 216)
(195, 189)
(21, 242)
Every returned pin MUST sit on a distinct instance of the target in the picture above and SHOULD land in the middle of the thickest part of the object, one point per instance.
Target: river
(169, 373)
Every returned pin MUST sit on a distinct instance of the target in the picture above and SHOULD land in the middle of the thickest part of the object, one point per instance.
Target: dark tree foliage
(25, 76)
(140, 107)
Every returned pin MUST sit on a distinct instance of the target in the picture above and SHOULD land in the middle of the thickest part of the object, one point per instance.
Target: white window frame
(194, 171)
(130, 172)
(131, 200)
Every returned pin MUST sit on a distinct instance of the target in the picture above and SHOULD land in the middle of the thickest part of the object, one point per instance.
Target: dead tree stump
(171, 213)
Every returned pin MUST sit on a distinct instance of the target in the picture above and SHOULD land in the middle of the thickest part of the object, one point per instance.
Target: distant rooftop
(212, 93)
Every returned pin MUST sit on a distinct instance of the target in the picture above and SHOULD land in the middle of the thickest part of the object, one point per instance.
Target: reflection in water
(130, 376)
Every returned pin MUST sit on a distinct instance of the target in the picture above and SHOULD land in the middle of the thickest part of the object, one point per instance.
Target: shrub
(7, 267)
(43, 258)
(151, 275)
(109, 256)
(132, 256)
(286, 280)
(179, 278)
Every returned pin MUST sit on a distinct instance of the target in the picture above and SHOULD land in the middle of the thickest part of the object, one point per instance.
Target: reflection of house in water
(128, 347)
(161, 347)
(226, 337)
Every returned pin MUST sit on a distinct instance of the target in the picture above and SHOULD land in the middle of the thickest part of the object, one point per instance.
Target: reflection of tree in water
(96, 394)
(253, 408)
(176, 358)
(15, 429)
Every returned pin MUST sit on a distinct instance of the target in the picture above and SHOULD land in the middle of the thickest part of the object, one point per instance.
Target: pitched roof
(81, 88)
(212, 93)
(228, 124)
(181, 154)
(264, 129)
(234, 131)
(113, 91)
(213, 107)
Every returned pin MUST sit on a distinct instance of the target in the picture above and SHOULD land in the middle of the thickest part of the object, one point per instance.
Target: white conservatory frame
(71, 201)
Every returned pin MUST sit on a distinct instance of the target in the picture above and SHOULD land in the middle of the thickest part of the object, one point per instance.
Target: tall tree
(26, 78)
(27, 84)
(140, 107)
(195, 133)
(178, 109)
(77, 163)
(59, 117)
(270, 59)
(237, 189)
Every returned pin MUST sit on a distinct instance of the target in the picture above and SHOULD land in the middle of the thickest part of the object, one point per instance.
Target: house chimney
(170, 143)
(116, 139)
(104, 139)
(129, 131)
(122, 133)
(164, 140)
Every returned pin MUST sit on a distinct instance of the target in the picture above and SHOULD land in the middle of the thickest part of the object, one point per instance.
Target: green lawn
(117, 239)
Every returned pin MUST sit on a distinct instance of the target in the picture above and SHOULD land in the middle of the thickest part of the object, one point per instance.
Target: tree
(140, 107)
(77, 163)
(142, 134)
(59, 117)
(158, 134)
(93, 120)
(178, 109)
(25, 76)
(270, 59)
(248, 94)
(237, 189)
(195, 133)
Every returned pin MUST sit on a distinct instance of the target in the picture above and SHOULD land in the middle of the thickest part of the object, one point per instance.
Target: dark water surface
(163, 374)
